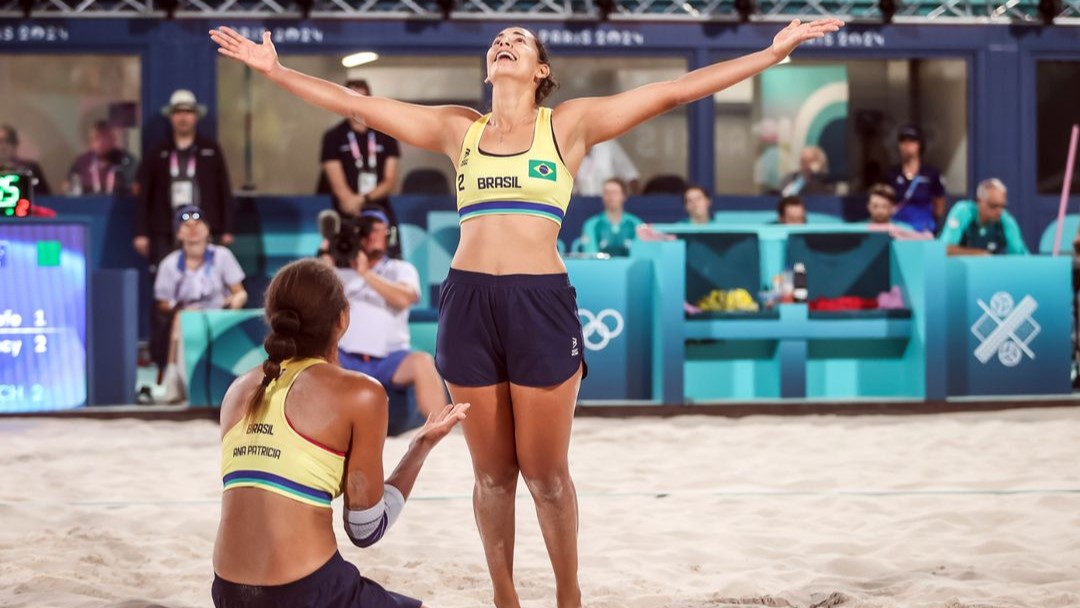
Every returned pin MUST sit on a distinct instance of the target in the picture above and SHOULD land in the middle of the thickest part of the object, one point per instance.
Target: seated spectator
(197, 276)
(881, 204)
(103, 169)
(698, 205)
(9, 160)
(791, 210)
(380, 291)
(606, 160)
(983, 227)
(812, 177)
(610, 232)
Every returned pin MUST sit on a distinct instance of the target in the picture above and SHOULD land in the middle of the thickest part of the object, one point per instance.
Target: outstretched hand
(797, 33)
(440, 423)
(262, 57)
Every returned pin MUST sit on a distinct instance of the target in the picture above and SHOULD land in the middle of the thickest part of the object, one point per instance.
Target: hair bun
(285, 322)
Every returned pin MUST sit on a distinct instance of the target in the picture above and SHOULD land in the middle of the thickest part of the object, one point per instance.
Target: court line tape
(635, 494)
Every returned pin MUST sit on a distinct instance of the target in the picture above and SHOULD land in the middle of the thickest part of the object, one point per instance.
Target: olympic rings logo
(600, 329)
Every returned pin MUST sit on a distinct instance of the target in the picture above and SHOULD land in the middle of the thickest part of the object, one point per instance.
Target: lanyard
(95, 177)
(174, 164)
(204, 270)
(354, 146)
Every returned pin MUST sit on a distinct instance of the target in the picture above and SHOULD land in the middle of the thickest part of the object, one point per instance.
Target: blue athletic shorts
(337, 584)
(382, 369)
(522, 328)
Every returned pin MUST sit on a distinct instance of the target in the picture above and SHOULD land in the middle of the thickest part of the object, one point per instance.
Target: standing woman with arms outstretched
(509, 338)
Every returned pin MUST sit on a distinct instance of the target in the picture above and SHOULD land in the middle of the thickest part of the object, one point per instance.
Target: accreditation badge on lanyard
(183, 186)
(95, 178)
(368, 178)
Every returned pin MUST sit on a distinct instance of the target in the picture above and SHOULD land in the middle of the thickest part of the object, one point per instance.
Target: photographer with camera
(380, 291)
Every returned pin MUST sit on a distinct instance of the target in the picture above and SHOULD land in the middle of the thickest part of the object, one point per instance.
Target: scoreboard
(43, 302)
(15, 194)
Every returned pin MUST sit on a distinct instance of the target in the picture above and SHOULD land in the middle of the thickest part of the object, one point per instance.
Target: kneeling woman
(296, 434)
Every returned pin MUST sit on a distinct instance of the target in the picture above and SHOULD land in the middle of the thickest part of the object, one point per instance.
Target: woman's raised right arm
(434, 128)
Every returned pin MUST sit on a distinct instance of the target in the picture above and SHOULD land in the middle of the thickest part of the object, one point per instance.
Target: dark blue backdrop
(1001, 60)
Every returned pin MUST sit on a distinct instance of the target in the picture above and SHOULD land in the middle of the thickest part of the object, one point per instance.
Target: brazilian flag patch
(542, 169)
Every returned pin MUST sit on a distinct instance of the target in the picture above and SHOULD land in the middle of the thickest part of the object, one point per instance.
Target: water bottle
(75, 188)
(799, 293)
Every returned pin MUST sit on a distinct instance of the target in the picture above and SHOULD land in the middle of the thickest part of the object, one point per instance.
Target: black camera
(344, 234)
(346, 243)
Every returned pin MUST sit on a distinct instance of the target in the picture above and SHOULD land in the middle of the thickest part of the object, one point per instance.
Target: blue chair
(1068, 232)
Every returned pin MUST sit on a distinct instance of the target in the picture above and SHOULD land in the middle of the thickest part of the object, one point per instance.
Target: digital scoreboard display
(16, 194)
(42, 316)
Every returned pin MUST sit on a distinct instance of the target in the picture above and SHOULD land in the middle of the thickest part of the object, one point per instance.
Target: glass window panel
(286, 133)
(1056, 112)
(657, 147)
(52, 101)
(755, 150)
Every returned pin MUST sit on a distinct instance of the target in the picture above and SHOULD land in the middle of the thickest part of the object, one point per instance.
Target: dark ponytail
(548, 85)
(303, 305)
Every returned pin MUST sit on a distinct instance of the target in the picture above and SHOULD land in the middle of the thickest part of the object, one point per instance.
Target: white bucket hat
(183, 99)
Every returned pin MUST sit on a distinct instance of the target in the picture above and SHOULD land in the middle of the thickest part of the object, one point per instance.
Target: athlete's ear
(542, 71)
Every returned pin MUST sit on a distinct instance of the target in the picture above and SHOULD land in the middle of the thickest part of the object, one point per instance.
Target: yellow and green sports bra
(266, 452)
(534, 182)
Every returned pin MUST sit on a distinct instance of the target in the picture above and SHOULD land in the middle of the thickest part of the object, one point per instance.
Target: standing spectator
(9, 160)
(983, 227)
(360, 168)
(791, 211)
(185, 170)
(103, 169)
(197, 276)
(918, 186)
(602, 162)
(380, 291)
(610, 232)
(698, 205)
(812, 178)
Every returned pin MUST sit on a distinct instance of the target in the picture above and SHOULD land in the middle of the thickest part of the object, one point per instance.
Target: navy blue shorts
(522, 328)
(380, 368)
(337, 584)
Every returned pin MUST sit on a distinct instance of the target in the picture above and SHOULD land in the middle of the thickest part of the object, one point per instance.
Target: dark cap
(909, 132)
(187, 213)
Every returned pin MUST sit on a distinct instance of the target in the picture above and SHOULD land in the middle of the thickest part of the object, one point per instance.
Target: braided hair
(303, 305)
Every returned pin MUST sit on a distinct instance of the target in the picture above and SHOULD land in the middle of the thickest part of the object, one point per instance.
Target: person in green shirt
(698, 205)
(610, 232)
(983, 227)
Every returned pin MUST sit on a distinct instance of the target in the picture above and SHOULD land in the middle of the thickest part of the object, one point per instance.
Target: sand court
(952, 510)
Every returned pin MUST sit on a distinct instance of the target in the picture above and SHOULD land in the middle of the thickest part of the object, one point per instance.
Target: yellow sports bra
(534, 182)
(267, 452)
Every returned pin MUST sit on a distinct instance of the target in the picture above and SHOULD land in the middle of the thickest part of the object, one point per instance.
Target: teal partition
(791, 351)
(730, 218)
(414, 249)
(1010, 321)
(444, 232)
(221, 345)
(614, 306)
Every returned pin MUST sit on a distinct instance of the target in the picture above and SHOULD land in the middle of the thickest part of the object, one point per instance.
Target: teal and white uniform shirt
(600, 235)
(962, 228)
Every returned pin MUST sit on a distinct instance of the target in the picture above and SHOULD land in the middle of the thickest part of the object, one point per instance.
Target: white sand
(959, 510)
